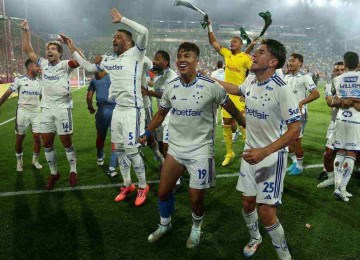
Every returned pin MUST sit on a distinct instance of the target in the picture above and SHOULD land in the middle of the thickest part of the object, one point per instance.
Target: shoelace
(140, 192)
(252, 242)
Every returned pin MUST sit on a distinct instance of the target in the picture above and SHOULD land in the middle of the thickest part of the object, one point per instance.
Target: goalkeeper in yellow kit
(237, 64)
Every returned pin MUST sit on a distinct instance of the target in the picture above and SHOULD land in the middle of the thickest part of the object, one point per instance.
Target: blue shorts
(103, 119)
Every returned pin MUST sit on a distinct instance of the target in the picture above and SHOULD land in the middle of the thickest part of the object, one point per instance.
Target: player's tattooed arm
(212, 38)
(234, 112)
(26, 42)
(5, 96)
(156, 121)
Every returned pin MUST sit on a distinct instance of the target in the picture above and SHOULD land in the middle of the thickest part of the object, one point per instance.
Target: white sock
(35, 157)
(293, 157)
(165, 221)
(124, 165)
(346, 170)
(277, 235)
(197, 221)
(50, 156)
(71, 157)
(339, 159)
(139, 168)
(252, 223)
(156, 151)
(330, 175)
(300, 162)
(19, 156)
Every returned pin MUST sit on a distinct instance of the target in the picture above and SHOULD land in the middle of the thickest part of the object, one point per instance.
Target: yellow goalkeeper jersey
(235, 66)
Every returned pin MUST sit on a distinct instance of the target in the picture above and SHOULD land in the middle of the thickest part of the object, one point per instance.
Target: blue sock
(167, 207)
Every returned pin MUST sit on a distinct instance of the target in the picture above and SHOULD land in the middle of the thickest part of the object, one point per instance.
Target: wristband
(147, 133)
(210, 29)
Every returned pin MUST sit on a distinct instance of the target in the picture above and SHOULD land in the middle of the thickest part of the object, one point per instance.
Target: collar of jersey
(191, 83)
(164, 72)
(26, 75)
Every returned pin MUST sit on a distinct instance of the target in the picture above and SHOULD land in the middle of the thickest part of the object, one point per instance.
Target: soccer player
(101, 84)
(161, 64)
(56, 104)
(191, 99)
(125, 67)
(237, 63)
(301, 83)
(346, 137)
(28, 112)
(269, 104)
(329, 149)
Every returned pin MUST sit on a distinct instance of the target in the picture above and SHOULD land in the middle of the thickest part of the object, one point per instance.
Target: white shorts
(57, 120)
(24, 119)
(303, 122)
(162, 132)
(148, 115)
(330, 130)
(127, 125)
(347, 130)
(202, 171)
(264, 180)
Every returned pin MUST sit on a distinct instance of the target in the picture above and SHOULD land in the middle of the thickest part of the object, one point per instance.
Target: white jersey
(347, 85)
(159, 86)
(56, 84)
(147, 66)
(218, 74)
(300, 83)
(192, 121)
(269, 105)
(29, 92)
(125, 72)
(330, 92)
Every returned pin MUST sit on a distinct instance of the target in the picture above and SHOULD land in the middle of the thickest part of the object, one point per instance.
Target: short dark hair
(128, 34)
(277, 49)
(165, 55)
(28, 62)
(339, 63)
(219, 64)
(189, 46)
(351, 60)
(298, 56)
(58, 45)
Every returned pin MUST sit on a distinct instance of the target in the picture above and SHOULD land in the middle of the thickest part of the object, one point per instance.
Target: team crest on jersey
(347, 113)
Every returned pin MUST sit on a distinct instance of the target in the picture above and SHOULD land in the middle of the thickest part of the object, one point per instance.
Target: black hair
(277, 49)
(165, 55)
(127, 33)
(189, 46)
(219, 64)
(351, 60)
(28, 62)
(298, 56)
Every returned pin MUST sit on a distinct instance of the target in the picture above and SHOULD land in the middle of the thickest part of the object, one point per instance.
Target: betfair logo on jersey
(294, 111)
(256, 113)
(30, 93)
(347, 113)
(114, 67)
(186, 112)
(51, 77)
(351, 79)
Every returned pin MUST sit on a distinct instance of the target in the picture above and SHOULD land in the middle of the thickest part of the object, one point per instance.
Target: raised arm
(26, 42)
(229, 88)
(252, 45)
(212, 38)
(143, 32)
(5, 96)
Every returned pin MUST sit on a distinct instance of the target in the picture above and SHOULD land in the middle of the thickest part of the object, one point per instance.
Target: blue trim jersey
(144, 79)
(29, 92)
(56, 84)
(192, 116)
(269, 105)
(125, 72)
(301, 83)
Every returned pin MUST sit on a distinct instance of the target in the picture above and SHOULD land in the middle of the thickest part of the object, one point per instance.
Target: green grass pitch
(88, 224)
